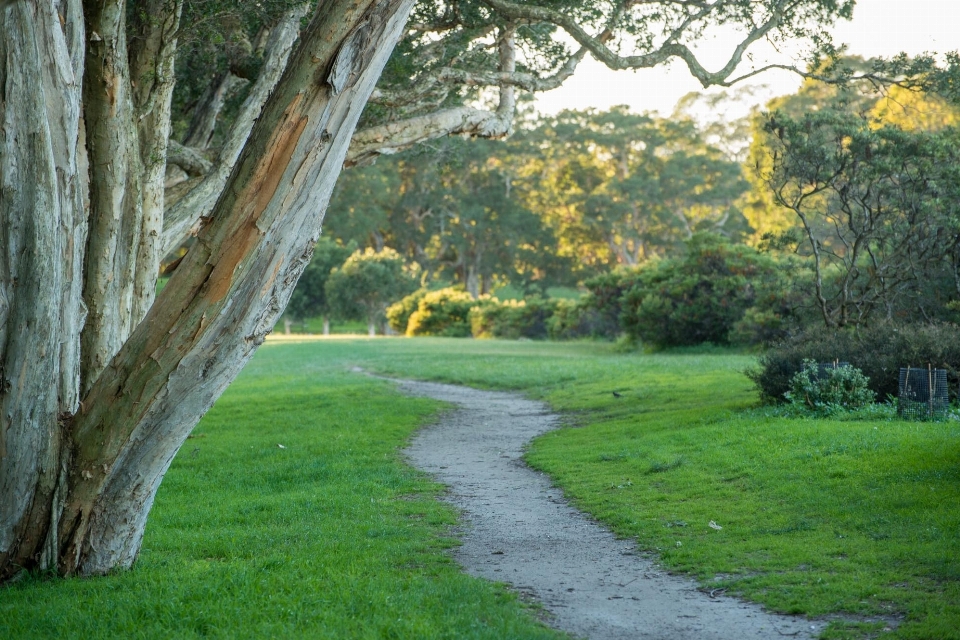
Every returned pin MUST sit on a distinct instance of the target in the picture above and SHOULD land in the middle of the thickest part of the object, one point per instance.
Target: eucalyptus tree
(102, 384)
(623, 187)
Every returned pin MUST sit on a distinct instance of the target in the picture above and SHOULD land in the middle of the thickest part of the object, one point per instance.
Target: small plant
(829, 390)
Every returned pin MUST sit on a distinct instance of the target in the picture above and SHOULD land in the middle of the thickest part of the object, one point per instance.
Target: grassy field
(332, 536)
(856, 521)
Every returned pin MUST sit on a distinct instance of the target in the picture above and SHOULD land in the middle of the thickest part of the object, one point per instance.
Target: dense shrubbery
(398, 314)
(879, 352)
(703, 296)
(719, 292)
(825, 391)
(512, 319)
(445, 312)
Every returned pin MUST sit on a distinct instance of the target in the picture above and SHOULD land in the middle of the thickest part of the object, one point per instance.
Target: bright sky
(878, 28)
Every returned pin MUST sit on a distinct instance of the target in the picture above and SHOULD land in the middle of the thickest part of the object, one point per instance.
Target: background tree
(309, 297)
(878, 210)
(697, 298)
(621, 188)
(366, 284)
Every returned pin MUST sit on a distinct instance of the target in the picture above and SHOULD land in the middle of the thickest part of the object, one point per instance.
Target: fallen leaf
(281, 446)
(714, 525)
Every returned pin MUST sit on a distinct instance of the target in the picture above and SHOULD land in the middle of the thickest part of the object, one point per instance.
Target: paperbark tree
(99, 383)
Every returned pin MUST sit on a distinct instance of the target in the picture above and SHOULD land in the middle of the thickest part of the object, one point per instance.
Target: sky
(878, 28)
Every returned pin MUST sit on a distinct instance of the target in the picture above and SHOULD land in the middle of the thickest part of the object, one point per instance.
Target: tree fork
(230, 290)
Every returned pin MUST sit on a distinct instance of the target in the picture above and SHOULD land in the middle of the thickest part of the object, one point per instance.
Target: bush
(879, 352)
(442, 313)
(829, 390)
(512, 319)
(398, 314)
(599, 311)
(699, 298)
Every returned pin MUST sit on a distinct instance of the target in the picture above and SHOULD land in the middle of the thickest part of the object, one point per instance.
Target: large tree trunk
(229, 290)
(78, 481)
(42, 238)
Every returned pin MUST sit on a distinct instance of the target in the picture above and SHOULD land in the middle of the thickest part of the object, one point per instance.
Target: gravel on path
(520, 530)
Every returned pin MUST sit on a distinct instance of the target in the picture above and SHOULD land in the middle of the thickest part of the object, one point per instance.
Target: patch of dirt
(520, 530)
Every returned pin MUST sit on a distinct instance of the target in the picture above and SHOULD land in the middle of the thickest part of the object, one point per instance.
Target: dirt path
(518, 529)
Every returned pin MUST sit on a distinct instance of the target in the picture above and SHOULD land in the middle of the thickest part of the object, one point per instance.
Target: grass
(856, 521)
(331, 536)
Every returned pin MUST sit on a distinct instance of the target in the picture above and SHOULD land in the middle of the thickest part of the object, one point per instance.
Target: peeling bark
(232, 286)
(116, 188)
(42, 230)
(183, 218)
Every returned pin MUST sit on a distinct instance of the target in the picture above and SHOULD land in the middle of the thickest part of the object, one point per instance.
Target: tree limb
(183, 217)
(188, 159)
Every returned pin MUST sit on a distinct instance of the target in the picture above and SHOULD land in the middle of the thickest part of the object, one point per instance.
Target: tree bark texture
(81, 459)
(230, 289)
(42, 239)
(185, 215)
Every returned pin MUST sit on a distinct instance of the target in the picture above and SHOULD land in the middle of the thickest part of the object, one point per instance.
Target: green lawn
(821, 517)
(332, 536)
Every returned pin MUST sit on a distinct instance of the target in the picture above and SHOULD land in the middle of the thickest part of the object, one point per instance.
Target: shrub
(827, 391)
(398, 314)
(698, 298)
(879, 352)
(442, 313)
(512, 319)
(599, 311)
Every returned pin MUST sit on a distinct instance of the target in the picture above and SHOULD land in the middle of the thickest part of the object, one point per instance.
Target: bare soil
(520, 530)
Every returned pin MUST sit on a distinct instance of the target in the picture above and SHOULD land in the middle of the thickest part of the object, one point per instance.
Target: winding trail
(518, 529)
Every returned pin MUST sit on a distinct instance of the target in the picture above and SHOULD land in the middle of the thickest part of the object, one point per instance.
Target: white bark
(229, 292)
(42, 230)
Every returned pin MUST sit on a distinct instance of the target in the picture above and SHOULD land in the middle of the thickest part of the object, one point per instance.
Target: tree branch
(188, 159)
(669, 49)
(183, 217)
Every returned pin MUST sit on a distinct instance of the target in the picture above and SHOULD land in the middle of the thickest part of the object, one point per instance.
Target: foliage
(698, 298)
(529, 318)
(851, 517)
(309, 298)
(830, 389)
(445, 312)
(366, 283)
(398, 314)
(880, 353)
(621, 188)
(453, 210)
(878, 210)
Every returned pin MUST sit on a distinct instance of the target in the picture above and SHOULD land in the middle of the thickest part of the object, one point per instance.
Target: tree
(309, 297)
(698, 298)
(621, 188)
(367, 283)
(877, 208)
(84, 147)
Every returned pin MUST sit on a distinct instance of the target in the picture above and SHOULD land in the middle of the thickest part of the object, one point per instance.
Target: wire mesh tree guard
(923, 393)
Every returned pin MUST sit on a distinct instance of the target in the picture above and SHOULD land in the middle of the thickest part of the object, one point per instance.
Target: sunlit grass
(329, 536)
(332, 536)
(854, 519)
